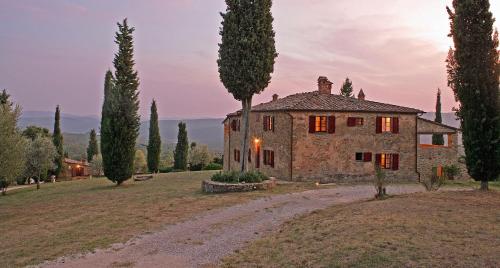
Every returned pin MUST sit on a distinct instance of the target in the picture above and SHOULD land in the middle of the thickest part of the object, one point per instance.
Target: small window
(235, 125)
(321, 124)
(236, 155)
(268, 123)
(354, 121)
(386, 124)
(359, 157)
(269, 158)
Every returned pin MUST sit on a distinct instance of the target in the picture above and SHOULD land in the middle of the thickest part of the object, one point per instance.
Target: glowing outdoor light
(256, 140)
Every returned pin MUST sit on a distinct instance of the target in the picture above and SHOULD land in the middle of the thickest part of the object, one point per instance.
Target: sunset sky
(57, 51)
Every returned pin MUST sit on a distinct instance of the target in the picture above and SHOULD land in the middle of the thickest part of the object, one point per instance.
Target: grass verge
(71, 217)
(444, 229)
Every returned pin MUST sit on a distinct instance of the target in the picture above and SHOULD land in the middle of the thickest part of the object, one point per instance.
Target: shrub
(450, 172)
(236, 177)
(380, 182)
(213, 166)
(166, 169)
(434, 182)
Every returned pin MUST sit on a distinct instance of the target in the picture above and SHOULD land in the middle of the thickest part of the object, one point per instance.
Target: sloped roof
(316, 101)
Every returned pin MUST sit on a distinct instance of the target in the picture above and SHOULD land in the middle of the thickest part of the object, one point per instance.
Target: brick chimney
(275, 97)
(361, 95)
(324, 85)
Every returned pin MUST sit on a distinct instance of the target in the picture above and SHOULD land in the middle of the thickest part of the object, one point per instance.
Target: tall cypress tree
(246, 55)
(120, 119)
(57, 139)
(438, 139)
(154, 144)
(93, 147)
(475, 81)
(346, 89)
(182, 148)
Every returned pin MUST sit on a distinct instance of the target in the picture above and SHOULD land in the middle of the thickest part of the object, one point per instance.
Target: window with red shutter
(378, 125)
(378, 159)
(249, 156)
(367, 157)
(331, 124)
(312, 124)
(351, 121)
(395, 161)
(238, 125)
(395, 125)
(233, 125)
(272, 123)
(264, 122)
(265, 157)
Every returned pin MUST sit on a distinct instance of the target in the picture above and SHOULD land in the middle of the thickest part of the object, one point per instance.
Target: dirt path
(205, 239)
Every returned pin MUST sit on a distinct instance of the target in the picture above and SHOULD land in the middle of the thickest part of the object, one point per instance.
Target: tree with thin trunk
(12, 144)
(475, 81)
(181, 148)
(120, 120)
(57, 139)
(93, 147)
(347, 89)
(154, 142)
(438, 139)
(40, 156)
(246, 55)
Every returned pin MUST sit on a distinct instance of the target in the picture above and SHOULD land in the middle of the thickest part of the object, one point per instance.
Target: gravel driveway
(205, 239)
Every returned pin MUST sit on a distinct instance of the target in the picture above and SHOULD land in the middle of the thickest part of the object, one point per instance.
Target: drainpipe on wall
(416, 147)
(291, 146)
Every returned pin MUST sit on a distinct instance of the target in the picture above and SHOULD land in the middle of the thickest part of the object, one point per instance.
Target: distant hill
(202, 131)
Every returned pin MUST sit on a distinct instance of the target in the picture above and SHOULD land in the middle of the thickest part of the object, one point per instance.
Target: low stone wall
(367, 178)
(209, 186)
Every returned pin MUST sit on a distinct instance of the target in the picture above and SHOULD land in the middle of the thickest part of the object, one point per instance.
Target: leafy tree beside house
(40, 155)
(347, 89)
(12, 143)
(140, 165)
(93, 147)
(57, 139)
(438, 139)
(246, 55)
(154, 143)
(181, 148)
(473, 74)
(120, 119)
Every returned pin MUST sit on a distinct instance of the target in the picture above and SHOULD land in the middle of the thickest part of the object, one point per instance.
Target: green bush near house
(451, 171)
(213, 166)
(236, 177)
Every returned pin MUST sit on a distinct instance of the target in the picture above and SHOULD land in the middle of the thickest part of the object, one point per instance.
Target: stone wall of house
(277, 141)
(331, 157)
(430, 156)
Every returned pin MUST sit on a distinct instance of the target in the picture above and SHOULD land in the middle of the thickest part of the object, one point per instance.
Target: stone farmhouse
(322, 136)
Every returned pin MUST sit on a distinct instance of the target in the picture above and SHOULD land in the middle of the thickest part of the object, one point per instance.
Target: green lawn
(443, 229)
(71, 217)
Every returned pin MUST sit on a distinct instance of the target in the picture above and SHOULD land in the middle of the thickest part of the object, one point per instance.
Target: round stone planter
(209, 186)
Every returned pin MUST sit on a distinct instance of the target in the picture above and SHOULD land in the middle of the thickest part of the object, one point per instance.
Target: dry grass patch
(444, 229)
(71, 217)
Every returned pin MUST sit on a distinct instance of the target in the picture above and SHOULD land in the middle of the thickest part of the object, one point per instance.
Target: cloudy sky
(57, 51)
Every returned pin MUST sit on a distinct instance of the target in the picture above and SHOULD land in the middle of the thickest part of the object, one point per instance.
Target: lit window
(359, 121)
(268, 123)
(321, 124)
(386, 124)
(386, 161)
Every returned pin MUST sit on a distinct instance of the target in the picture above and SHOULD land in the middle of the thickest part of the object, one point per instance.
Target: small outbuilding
(74, 168)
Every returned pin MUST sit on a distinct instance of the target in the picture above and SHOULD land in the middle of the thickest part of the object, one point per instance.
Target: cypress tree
(475, 81)
(438, 139)
(346, 89)
(246, 55)
(4, 98)
(154, 143)
(120, 119)
(93, 147)
(107, 108)
(181, 149)
(57, 139)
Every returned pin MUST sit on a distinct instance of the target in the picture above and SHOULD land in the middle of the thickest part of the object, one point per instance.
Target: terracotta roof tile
(315, 101)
